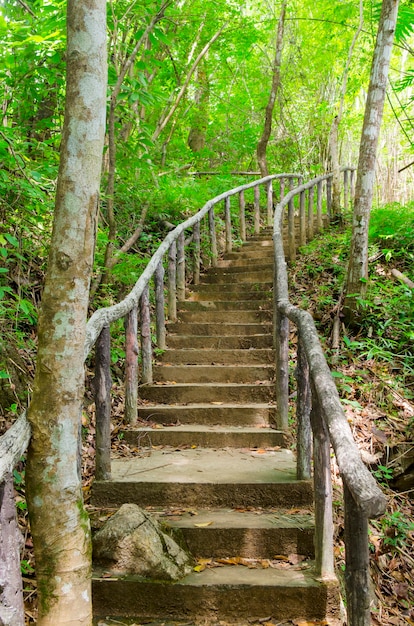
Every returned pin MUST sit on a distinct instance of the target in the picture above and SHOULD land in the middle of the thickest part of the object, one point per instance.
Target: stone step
(257, 534)
(227, 478)
(232, 593)
(252, 276)
(193, 356)
(198, 435)
(223, 305)
(240, 267)
(216, 343)
(208, 392)
(228, 290)
(262, 252)
(222, 329)
(213, 373)
(212, 316)
(224, 413)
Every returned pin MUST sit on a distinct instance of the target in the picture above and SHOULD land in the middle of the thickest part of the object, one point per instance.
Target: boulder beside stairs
(133, 542)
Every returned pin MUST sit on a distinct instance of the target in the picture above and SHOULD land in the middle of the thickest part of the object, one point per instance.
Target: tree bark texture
(102, 388)
(357, 577)
(11, 592)
(131, 367)
(59, 523)
(358, 260)
(264, 140)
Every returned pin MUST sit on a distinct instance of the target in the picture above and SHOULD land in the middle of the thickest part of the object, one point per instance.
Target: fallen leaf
(203, 524)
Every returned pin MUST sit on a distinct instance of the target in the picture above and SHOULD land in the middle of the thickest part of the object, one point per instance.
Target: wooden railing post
(227, 218)
(291, 231)
(281, 344)
(303, 409)
(310, 213)
(352, 185)
(11, 588)
(180, 267)
(302, 219)
(256, 204)
(346, 190)
(160, 306)
(146, 347)
(269, 195)
(213, 237)
(242, 216)
(102, 387)
(131, 366)
(172, 282)
(323, 492)
(197, 253)
(357, 576)
(282, 189)
(328, 198)
(319, 221)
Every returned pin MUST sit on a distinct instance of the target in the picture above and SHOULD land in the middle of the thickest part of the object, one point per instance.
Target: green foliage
(392, 229)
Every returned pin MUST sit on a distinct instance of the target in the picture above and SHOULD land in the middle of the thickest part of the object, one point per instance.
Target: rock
(132, 542)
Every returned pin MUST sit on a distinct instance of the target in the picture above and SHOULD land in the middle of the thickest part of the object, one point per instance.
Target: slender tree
(267, 129)
(60, 526)
(357, 274)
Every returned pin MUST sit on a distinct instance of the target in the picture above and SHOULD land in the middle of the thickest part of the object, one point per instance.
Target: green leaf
(12, 240)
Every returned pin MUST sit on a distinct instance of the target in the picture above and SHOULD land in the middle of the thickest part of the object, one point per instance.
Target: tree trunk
(59, 523)
(334, 133)
(264, 140)
(358, 262)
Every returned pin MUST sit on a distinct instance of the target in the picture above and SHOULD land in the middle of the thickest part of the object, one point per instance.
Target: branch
(180, 94)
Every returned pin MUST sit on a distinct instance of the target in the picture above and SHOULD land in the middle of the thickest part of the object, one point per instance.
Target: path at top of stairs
(208, 457)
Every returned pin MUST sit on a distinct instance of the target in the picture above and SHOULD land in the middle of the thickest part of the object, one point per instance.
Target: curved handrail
(361, 483)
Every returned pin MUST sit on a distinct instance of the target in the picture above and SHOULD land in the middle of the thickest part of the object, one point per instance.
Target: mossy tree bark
(59, 523)
(357, 274)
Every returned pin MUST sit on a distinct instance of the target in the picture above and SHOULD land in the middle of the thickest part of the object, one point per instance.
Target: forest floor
(377, 392)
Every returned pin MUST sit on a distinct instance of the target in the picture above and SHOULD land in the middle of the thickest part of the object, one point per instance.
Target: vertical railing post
(197, 253)
(282, 189)
(213, 237)
(319, 221)
(131, 366)
(323, 491)
(11, 588)
(357, 574)
(303, 409)
(256, 204)
(302, 219)
(346, 190)
(291, 226)
(145, 327)
(227, 218)
(352, 185)
(328, 198)
(102, 388)
(310, 213)
(172, 283)
(180, 267)
(242, 216)
(160, 306)
(281, 344)
(269, 195)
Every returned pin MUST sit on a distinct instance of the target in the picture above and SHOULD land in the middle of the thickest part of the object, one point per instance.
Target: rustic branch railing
(319, 410)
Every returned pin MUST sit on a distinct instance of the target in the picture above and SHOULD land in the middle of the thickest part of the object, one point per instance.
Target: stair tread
(206, 465)
(231, 575)
(232, 518)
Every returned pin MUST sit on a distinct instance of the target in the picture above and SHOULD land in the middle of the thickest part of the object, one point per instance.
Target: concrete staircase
(211, 461)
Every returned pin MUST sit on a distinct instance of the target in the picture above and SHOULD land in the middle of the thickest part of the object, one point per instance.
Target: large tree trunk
(59, 523)
(358, 262)
(267, 129)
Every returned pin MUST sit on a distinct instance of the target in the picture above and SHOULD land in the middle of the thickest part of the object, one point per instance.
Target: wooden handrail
(319, 405)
